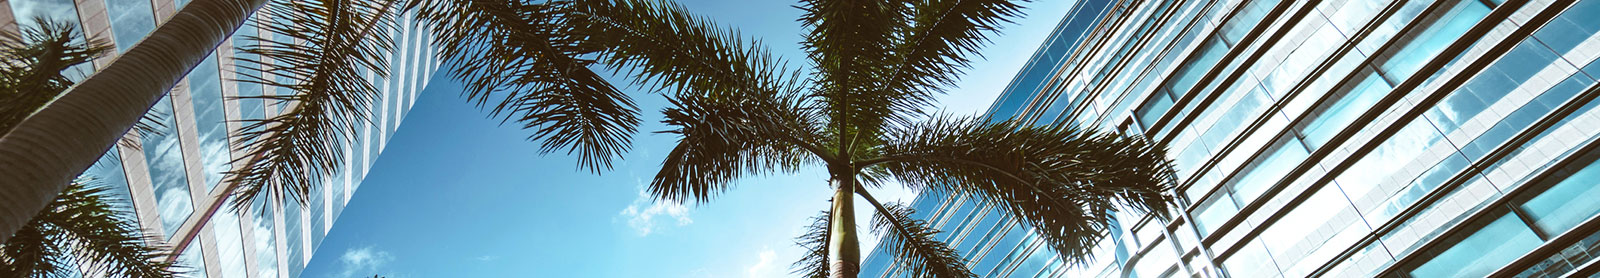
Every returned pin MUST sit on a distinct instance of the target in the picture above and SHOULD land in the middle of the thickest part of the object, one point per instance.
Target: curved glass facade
(1448, 138)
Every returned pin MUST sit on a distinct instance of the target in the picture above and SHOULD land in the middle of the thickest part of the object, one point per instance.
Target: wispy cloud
(363, 261)
(645, 211)
(763, 266)
(486, 258)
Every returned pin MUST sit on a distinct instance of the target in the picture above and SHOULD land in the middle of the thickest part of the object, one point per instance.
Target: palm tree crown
(859, 110)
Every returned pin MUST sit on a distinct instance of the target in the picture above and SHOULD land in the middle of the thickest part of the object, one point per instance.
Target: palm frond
(848, 41)
(915, 245)
(815, 240)
(83, 223)
(722, 139)
(40, 60)
(31, 253)
(319, 52)
(35, 66)
(1065, 182)
(663, 46)
(526, 59)
(933, 51)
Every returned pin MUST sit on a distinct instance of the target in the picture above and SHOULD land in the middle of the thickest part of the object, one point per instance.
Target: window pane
(131, 20)
(25, 11)
(1569, 29)
(165, 159)
(1479, 250)
(230, 244)
(205, 90)
(1569, 198)
(191, 264)
(265, 240)
(1337, 115)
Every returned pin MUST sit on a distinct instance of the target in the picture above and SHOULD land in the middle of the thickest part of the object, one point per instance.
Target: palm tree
(82, 231)
(858, 111)
(80, 227)
(44, 152)
(328, 45)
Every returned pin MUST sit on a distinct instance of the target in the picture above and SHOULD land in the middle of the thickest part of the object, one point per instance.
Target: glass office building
(169, 180)
(1451, 138)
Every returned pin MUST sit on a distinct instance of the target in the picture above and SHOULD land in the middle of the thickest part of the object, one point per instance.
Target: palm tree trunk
(43, 153)
(843, 247)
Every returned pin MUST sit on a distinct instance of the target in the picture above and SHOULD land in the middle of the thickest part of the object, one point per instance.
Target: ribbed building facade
(169, 178)
(1451, 138)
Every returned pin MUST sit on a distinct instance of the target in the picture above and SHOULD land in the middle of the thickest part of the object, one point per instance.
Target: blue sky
(455, 194)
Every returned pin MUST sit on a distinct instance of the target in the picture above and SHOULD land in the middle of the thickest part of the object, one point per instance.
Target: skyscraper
(1450, 138)
(171, 177)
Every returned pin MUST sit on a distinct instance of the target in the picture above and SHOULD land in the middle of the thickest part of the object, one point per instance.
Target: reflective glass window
(230, 244)
(1351, 102)
(294, 236)
(1412, 51)
(1494, 83)
(337, 198)
(1482, 247)
(164, 157)
(956, 218)
(1567, 198)
(1250, 261)
(1261, 176)
(264, 238)
(251, 106)
(1215, 211)
(1157, 262)
(205, 91)
(131, 20)
(979, 234)
(1004, 249)
(1246, 19)
(318, 207)
(107, 173)
(1571, 28)
(25, 11)
(192, 263)
(1525, 116)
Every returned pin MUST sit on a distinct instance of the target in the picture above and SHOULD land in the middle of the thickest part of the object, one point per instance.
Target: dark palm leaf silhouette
(83, 231)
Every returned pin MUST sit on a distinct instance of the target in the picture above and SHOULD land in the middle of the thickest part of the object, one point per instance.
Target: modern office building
(170, 179)
(1451, 138)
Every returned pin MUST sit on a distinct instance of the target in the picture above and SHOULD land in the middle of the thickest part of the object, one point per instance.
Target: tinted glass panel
(1485, 246)
(131, 20)
(205, 90)
(164, 157)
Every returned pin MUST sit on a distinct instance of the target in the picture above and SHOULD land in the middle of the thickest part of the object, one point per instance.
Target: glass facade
(169, 178)
(1448, 138)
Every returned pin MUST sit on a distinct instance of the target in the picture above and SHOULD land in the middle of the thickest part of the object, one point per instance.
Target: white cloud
(363, 261)
(642, 215)
(486, 258)
(763, 265)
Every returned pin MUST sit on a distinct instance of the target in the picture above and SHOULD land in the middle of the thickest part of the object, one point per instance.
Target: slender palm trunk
(43, 153)
(843, 248)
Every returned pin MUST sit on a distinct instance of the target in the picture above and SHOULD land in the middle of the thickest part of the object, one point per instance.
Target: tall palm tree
(80, 230)
(858, 110)
(44, 152)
